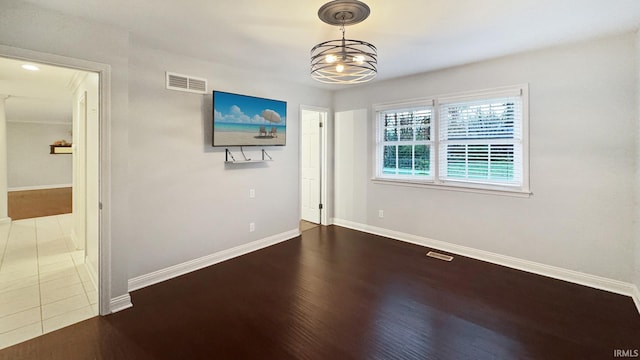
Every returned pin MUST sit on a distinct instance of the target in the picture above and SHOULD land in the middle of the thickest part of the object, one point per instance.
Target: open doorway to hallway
(49, 251)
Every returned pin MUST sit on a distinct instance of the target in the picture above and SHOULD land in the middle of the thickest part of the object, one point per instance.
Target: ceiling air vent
(186, 83)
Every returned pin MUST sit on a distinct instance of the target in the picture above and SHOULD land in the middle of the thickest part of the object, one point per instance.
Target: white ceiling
(412, 36)
(275, 36)
(43, 96)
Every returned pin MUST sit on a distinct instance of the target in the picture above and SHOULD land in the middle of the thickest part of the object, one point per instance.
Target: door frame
(104, 176)
(322, 161)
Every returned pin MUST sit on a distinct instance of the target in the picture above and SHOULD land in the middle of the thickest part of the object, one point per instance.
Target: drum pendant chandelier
(344, 61)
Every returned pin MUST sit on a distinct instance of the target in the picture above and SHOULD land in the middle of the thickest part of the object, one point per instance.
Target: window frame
(435, 181)
(381, 143)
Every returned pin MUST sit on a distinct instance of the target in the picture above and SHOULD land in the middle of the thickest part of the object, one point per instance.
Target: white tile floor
(44, 283)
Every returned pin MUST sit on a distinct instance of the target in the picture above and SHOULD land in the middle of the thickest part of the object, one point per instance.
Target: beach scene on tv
(240, 120)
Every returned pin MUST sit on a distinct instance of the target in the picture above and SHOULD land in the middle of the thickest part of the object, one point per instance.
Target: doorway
(49, 270)
(313, 199)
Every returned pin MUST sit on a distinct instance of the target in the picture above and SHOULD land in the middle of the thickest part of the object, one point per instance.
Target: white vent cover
(186, 83)
(436, 255)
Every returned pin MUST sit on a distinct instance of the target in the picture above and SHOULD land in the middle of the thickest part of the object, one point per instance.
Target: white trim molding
(120, 303)
(93, 273)
(171, 272)
(636, 297)
(74, 238)
(39, 187)
(597, 282)
(105, 301)
(436, 107)
(41, 122)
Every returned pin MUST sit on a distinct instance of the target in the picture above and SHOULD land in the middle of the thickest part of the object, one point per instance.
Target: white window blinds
(480, 141)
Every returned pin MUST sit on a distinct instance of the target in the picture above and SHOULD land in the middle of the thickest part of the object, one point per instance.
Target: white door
(310, 144)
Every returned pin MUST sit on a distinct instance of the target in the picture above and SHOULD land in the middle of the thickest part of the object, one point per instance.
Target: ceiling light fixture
(30, 67)
(344, 61)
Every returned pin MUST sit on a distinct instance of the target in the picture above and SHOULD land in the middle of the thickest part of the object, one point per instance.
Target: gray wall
(582, 152)
(184, 201)
(28, 159)
(173, 199)
(26, 26)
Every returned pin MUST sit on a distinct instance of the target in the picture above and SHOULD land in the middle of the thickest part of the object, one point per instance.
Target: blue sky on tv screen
(240, 109)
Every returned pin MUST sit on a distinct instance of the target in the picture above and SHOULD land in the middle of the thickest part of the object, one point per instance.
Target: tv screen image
(241, 120)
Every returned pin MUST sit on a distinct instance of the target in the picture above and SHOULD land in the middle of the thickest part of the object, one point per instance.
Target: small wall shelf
(230, 159)
(60, 149)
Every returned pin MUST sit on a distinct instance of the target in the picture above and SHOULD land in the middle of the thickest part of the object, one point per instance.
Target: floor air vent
(186, 83)
(439, 256)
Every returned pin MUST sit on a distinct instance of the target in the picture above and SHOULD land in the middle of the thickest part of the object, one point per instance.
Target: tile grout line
(75, 265)
(77, 272)
(39, 226)
(84, 289)
(39, 283)
(23, 326)
(6, 244)
(70, 253)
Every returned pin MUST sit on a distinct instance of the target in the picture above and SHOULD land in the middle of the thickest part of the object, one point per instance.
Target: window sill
(452, 187)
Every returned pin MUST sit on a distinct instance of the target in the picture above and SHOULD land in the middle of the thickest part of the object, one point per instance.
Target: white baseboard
(74, 239)
(186, 267)
(598, 282)
(6, 220)
(636, 297)
(93, 273)
(39, 187)
(120, 303)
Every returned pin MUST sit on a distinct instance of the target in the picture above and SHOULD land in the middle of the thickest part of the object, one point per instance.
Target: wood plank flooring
(38, 203)
(306, 225)
(335, 293)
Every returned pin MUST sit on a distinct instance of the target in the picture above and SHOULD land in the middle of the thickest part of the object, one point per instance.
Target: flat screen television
(241, 120)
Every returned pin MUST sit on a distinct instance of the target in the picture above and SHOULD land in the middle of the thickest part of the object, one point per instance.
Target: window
(481, 141)
(406, 143)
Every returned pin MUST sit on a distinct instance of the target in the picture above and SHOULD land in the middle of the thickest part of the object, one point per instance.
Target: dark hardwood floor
(335, 294)
(30, 204)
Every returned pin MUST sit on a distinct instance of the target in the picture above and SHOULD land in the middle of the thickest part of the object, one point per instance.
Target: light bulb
(330, 59)
(358, 59)
(339, 68)
(30, 67)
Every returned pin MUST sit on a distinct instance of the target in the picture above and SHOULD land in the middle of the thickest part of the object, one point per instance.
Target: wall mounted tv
(240, 120)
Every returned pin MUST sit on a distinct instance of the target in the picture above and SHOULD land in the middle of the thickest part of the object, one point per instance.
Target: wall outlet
(252, 193)
(252, 227)
(380, 214)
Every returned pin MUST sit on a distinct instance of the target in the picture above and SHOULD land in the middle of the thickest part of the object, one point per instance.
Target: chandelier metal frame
(344, 61)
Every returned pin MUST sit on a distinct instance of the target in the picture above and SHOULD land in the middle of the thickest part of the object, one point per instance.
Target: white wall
(29, 162)
(582, 145)
(38, 109)
(185, 202)
(637, 185)
(26, 26)
(350, 166)
(172, 197)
